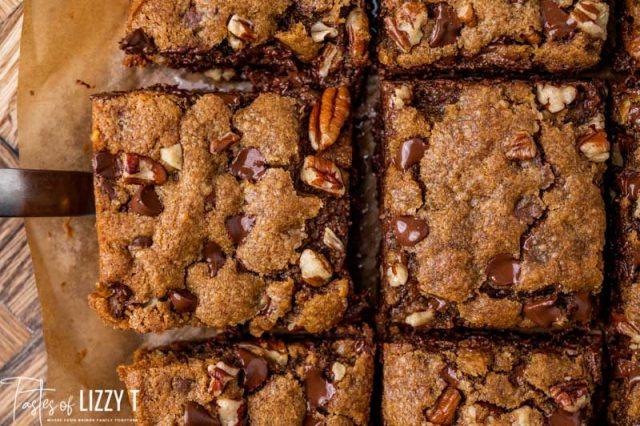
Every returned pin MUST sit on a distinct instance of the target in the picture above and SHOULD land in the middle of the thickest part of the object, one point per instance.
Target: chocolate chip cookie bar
(310, 41)
(549, 35)
(223, 210)
(491, 204)
(625, 311)
(253, 383)
(480, 380)
(629, 24)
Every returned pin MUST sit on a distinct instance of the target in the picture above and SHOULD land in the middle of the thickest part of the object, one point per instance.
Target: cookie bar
(492, 207)
(625, 310)
(253, 383)
(480, 380)
(629, 24)
(222, 210)
(549, 35)
(319, 41)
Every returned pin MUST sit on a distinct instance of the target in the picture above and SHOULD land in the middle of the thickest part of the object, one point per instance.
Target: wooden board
(22, 352)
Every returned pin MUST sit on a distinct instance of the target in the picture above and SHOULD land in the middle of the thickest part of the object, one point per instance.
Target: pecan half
(322, 174)
(357, 26)
(571, 396)
(328, 117)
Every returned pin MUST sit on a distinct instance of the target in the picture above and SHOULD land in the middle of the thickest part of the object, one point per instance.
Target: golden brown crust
(220, 244)
(331, 380)
(501, 183)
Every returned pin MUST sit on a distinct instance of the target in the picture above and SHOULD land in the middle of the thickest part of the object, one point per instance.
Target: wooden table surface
(22, 351)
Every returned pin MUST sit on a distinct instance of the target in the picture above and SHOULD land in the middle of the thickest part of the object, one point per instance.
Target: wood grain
(22, 351)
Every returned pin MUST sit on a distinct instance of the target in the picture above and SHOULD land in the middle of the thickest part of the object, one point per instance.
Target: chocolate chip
(249, 164)
(140, 242)
(196, 415)
(238, 227)
(146, 202)
(543, 312)
(105, 164)
(319, 391)
(580, 306)
(563, 418)
(255, 368)
(410, 153)
(503, 269)
(630, 186)
(182, 300)
(528, 209)
(556, 20)
(182, 385)
(410, 230)
(445, 30)
(119, 299)
(215, 257)
(137, 42)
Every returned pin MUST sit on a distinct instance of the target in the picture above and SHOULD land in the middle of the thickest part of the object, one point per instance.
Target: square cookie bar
(625, 311)
(253, 383)
(549, 35)
(222, 210)
(319, 41)
(492, 208)
(481, 380)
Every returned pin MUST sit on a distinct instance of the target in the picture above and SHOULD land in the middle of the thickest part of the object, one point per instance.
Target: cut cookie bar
(222, 210)
(492, 208)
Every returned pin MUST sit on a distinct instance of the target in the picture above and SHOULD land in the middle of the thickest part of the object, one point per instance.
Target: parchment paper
(69, 51)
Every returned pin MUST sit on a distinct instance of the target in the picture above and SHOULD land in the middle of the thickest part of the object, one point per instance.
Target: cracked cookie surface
(485, 190)
(205, 203)
(257, 383)
(483, 380)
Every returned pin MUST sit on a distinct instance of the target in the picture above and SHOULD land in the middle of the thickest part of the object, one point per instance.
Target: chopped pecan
(445, 410)
(321, 31)
(329, 59)
(357, 26)
(406, 25)
(172, 156)
(595, 146)
(140, 170)
(591, 17)
(240, 31)
(520, 148)
(571, 396)
(219, 145)
(328, 117)
(322, 174)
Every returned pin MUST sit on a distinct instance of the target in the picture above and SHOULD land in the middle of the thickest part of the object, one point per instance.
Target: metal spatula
(45, 193)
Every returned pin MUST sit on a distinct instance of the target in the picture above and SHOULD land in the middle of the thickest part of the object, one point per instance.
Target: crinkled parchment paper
(69, 51)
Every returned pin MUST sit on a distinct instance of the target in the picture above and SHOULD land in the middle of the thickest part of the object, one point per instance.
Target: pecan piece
(445, 410)
(329, 59)
(322, 174)
(521, 147)
(595, 146)
(406, 25)
(321, 31)
(357, 26)
(571, 396)
(219, 145)
(240, 31)
(591, 17)
(140, 170)
(328, 117)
